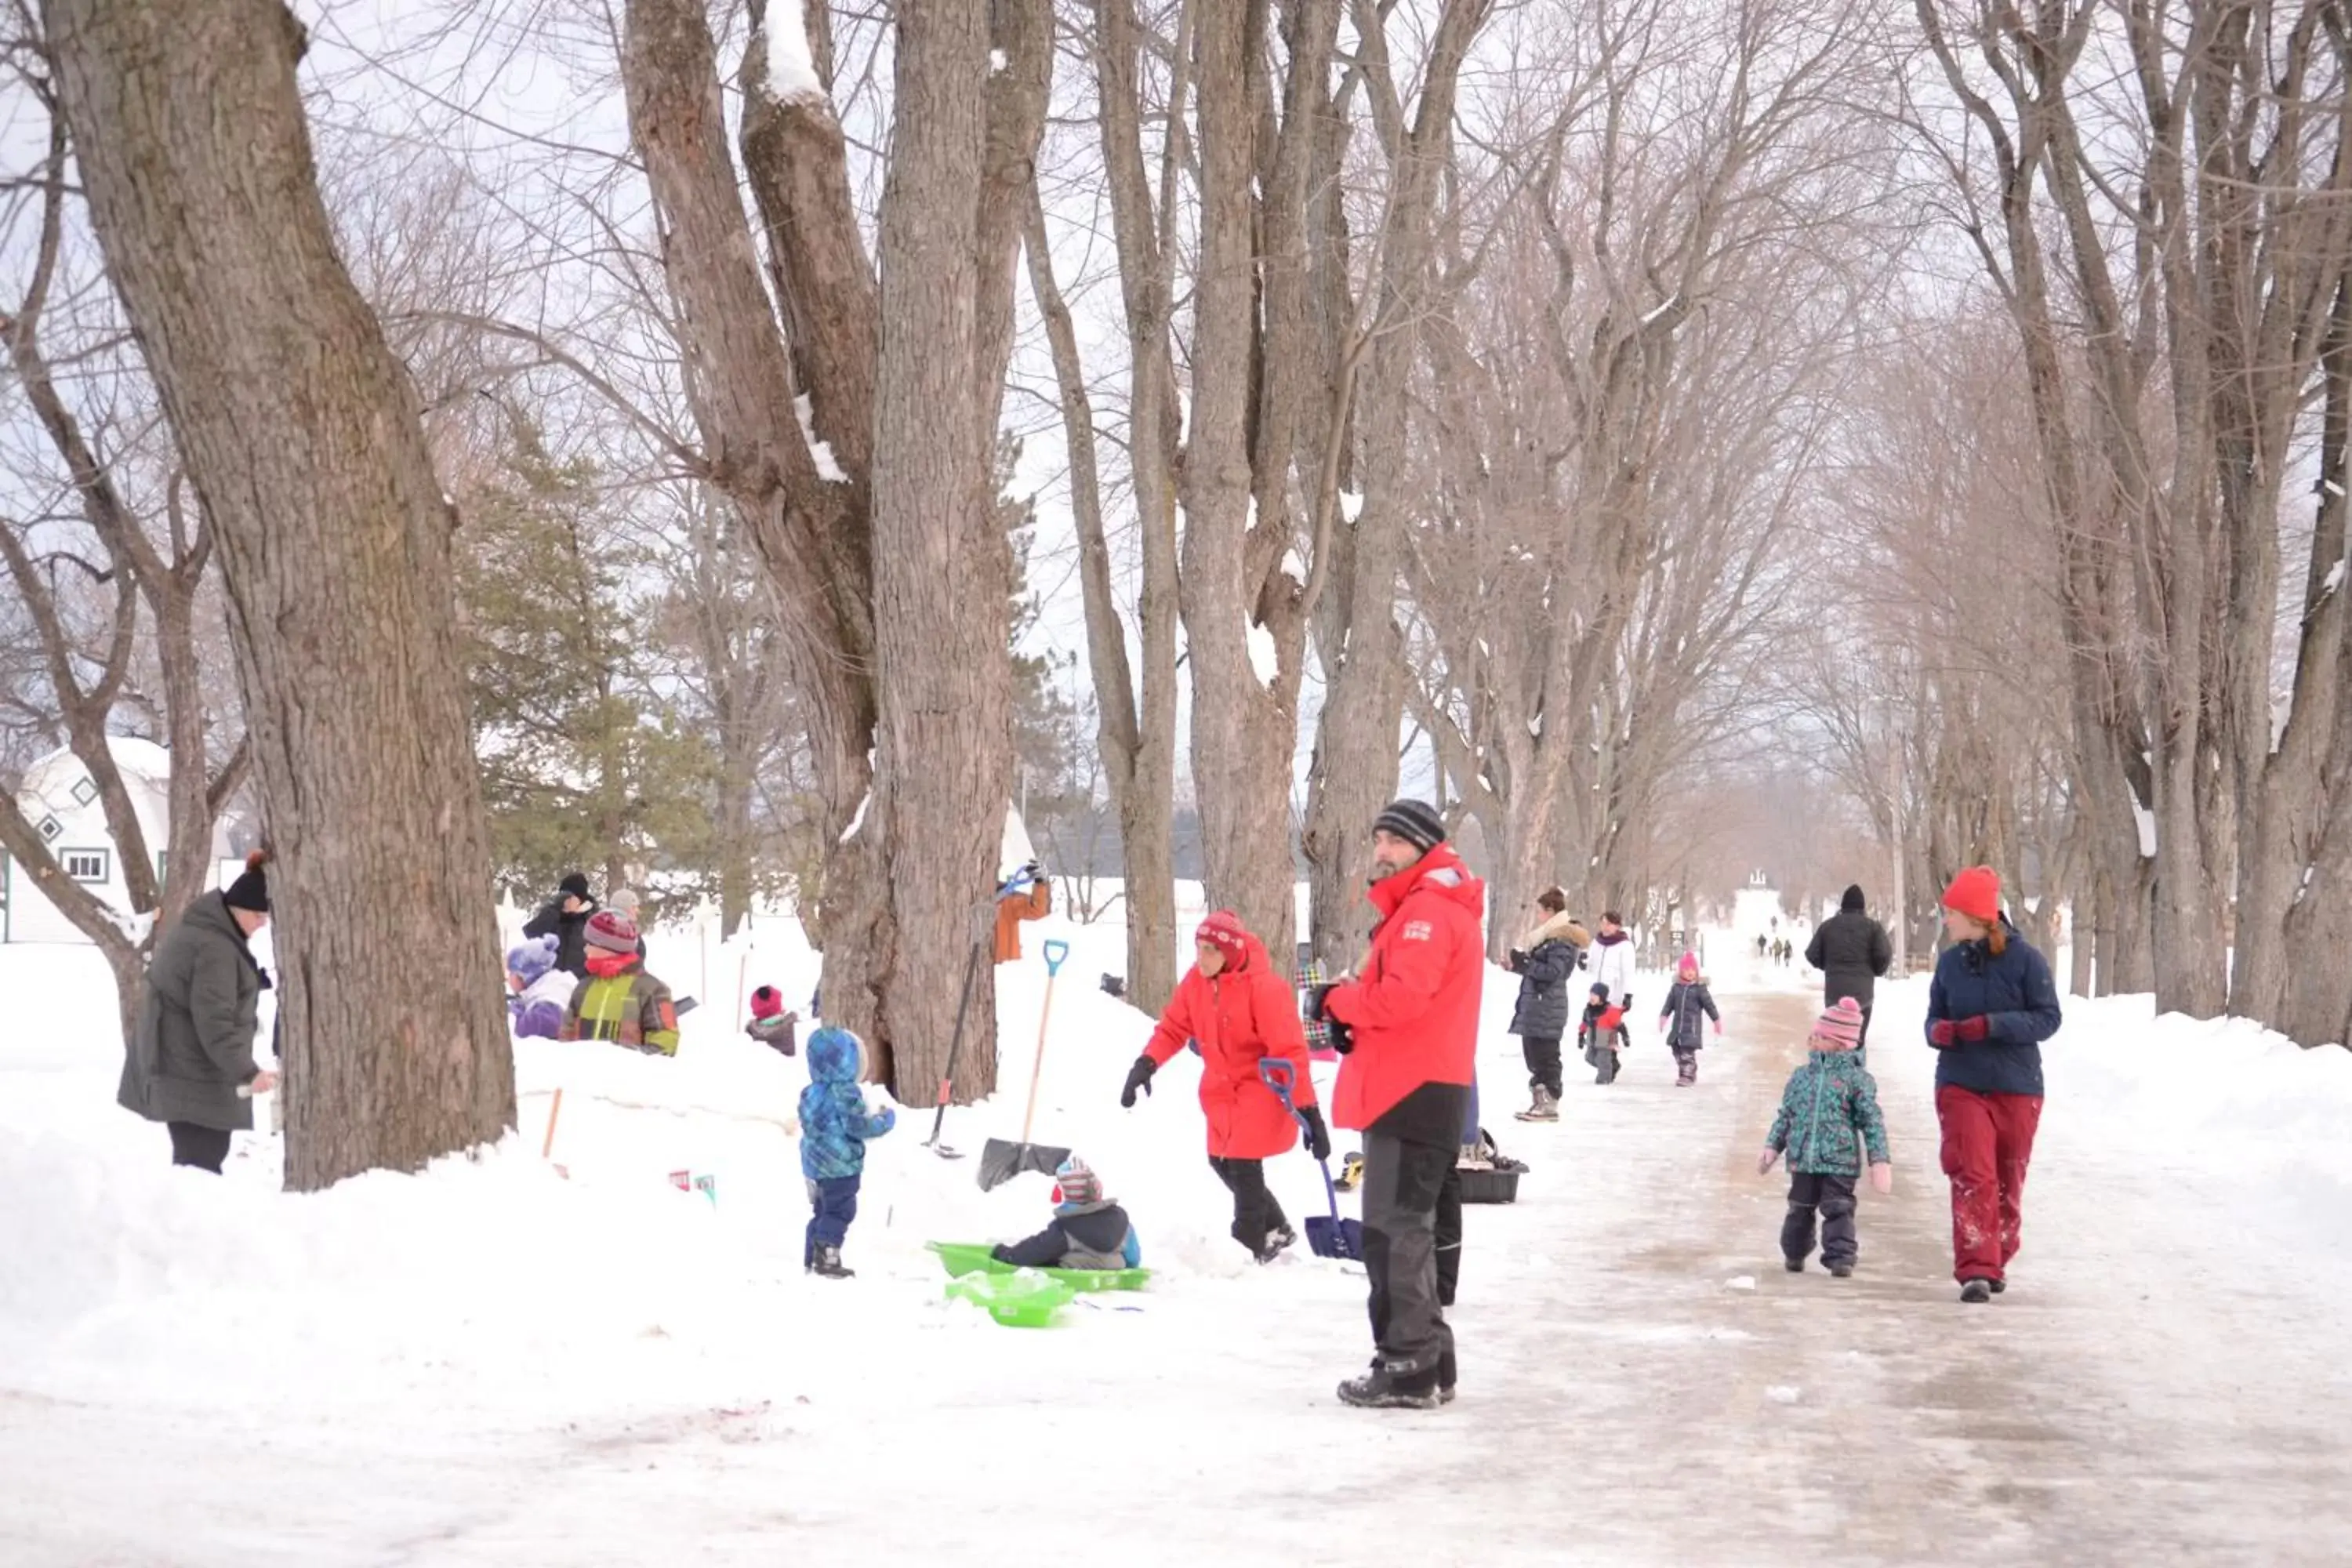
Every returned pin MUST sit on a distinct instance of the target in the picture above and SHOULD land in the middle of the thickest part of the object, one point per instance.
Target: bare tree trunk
(1140, 766)
(301, 435)
(942, 571)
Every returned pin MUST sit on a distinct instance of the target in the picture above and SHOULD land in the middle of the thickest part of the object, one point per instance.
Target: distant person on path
(1600, 1034)
(619, 1003)
(1852, 951)
(1240, 1010)
(1829, 1104)
(1613, 965)
(190, 1064)
(1026, 896)
(1989, 1007)
(1679, 1020)
(1410, 1034)
(565, 918)
(1543, 960)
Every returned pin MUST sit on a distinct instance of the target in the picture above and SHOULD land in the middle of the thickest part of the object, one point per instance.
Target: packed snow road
(1641, 1384)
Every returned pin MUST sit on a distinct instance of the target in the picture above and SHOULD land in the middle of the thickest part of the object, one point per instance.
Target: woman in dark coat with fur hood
(1543, 960)
(191, 1066)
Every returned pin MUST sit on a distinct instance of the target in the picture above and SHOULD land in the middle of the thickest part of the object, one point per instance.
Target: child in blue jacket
(834, 1126)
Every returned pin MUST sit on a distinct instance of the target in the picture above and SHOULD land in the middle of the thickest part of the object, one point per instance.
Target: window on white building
(85, 865)
(85, 792)
(51, 828)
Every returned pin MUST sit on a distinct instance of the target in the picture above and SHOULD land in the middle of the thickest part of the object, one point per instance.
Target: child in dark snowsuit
(770, 1025)
(1599, 1035)
(834, 1126)
(1829, 1102)
(1679, 1017)
(1087, 1230)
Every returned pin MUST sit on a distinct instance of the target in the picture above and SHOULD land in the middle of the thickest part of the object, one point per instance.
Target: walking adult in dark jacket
(1852, 951)
(1989, 1007)
(565, 918)
(1543, 960)
(190, 1066)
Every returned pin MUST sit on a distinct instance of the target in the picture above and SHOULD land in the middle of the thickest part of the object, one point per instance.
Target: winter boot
(1793, 1265)
(1998, 1284)
(1841, 1271)
(1975, 1292)
(1277, 1239)
(1685, 1069)
(1445, 1371)
(1545, 1109)
(1383, 1388)
(828, 1265)
(1352, 1172)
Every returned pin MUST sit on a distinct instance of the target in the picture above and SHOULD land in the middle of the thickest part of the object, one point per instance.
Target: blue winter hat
(533, 959)
(836, 1056)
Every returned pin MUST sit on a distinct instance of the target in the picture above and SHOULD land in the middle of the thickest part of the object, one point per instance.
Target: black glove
(1514, 958)
(1319, 1137)
(1343, 1038)
(1137, 1076)
(1314, 995)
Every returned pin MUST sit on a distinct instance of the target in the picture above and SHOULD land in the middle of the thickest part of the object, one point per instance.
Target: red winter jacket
(1414, 1009)
(1242, 1017)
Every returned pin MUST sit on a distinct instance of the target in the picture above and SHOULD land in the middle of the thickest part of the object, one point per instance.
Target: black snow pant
(1834, 1197)
(1448, 1224)
(205, 1148)
(1863, 1040)
(1542, 1052)
(1403, 1185)
(1256, 1215)
(1600, 1052)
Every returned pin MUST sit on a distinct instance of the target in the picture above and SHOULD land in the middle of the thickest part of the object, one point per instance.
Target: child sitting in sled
(1087, 1230)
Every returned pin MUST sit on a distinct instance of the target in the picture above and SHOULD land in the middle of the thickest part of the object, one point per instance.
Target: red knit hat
(609, 930)
(767, 1002)
(1224, 931)
(1975, 893)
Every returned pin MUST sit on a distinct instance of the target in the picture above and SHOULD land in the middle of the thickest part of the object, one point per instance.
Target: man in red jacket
(1408, 1026)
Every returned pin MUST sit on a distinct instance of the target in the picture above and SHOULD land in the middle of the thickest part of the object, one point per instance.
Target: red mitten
(1969, 1031)
(1719, 1028)
(1940, 1032)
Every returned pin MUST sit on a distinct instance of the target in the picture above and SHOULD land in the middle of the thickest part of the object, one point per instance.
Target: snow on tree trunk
(300, 432)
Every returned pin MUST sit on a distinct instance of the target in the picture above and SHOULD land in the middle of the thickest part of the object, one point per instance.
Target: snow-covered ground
(494, 1364)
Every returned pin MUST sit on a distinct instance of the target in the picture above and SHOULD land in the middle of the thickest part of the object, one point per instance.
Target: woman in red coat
(1240, 1011)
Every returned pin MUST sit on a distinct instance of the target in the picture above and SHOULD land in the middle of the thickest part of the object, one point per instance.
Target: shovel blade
(1330, 1237)
(1001, 1161)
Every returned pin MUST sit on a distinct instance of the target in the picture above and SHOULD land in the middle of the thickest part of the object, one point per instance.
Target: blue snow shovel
(1327, 1235)
(1000, 1161)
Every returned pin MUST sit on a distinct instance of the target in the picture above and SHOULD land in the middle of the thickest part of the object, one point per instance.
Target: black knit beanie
(1853, 899)
(1416, 824)
(250, 891)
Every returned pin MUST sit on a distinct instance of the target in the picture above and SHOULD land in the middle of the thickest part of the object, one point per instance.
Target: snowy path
(2162, 1384)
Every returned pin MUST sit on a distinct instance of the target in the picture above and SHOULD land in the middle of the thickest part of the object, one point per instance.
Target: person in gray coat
(191, 1065)
(1543, 960)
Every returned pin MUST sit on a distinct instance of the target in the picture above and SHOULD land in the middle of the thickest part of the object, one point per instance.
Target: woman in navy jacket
(1991, 1005)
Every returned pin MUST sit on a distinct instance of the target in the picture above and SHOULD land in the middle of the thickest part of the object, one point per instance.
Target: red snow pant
(1988, 1142)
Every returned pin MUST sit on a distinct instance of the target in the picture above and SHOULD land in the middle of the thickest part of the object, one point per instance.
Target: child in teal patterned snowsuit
(1828, 1103)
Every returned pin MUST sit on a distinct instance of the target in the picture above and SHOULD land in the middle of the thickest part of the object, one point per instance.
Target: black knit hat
(1853, 899)
(575, 884)
(250, 891)
(1417, 824)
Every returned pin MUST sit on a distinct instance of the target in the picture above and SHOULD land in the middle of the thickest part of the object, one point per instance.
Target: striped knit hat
(1075, 1183)
(610, 930)
(1416, 824)
(1839, 1028)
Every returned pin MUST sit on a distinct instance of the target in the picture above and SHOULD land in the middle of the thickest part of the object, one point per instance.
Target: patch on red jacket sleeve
(1416, 931)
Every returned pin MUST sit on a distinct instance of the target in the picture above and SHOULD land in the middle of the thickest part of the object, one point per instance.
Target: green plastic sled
(1026, 1299)
(967, 1258)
